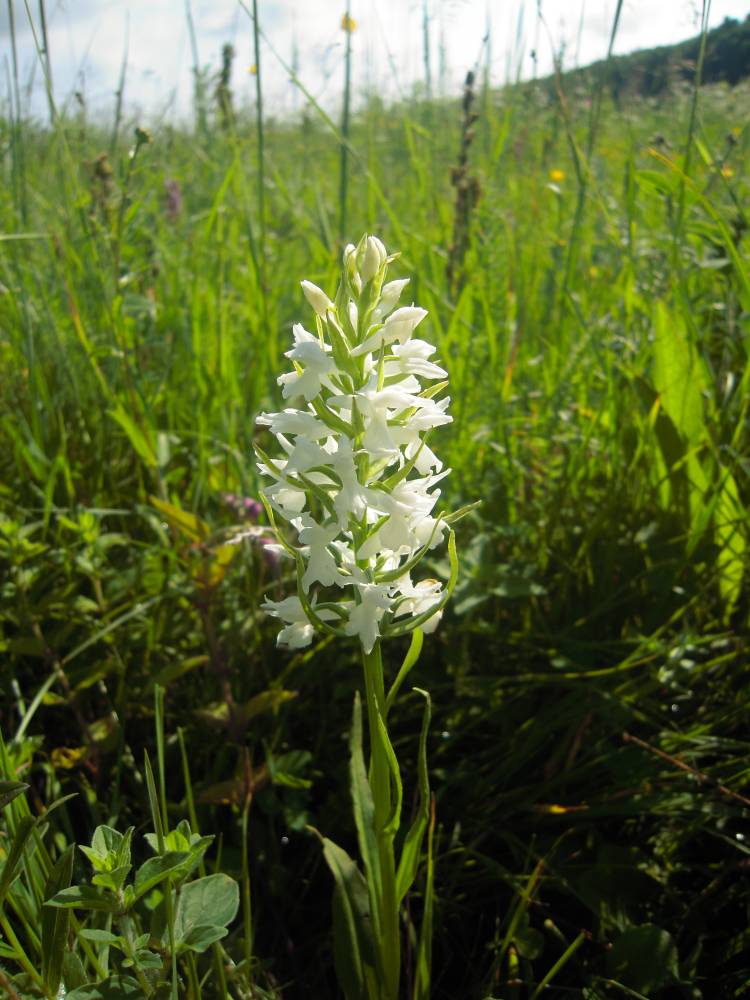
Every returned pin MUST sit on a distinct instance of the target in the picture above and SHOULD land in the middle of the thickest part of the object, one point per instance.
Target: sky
(90, 39)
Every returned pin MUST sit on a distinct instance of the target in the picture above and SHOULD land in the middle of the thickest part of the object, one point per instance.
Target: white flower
(365, 617)
(298, 631)
(356, 482)
(322, 566)
(398, 327)
(419, 599)
(314, 361)
(389, 296)
(409, 505)
(411, 359)
(295, 422)
(285, 499)
(306, 455)
(353, 497)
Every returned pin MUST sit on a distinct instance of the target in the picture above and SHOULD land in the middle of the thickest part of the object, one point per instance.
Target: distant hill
(650, 72)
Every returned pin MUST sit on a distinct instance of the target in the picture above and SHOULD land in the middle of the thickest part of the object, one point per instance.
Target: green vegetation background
(586, 272)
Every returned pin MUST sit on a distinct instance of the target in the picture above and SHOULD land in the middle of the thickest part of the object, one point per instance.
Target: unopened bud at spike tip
(317, 298)
(373, 258)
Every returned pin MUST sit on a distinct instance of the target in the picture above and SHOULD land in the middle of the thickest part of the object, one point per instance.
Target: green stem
(195, 986)
(221, 979)
(380, 781)
(126, 926)
(23, 959)
(569, 952)
(344, 163)
(260, 133)
(247, 910)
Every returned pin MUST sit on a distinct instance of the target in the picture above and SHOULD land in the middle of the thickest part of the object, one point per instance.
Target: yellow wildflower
(252, 70)
(727, 171)
(557, 176)
(67, 757)
(348, 24)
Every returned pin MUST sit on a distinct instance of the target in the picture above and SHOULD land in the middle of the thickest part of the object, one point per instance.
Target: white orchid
(297, 631)
(356, 479)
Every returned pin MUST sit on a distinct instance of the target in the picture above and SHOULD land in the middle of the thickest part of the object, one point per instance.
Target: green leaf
(84, 897)
(182, 521)
(74, 974)
(412, 849)
(9, 790)
(153, 800)
(138, 436)
(423, 965)
(364, 812)
(174, 670)
(15, 855)
(55, 922)
(679, 372)
(457, 515)
(412, 655)
(529, 942)
(643, 958)
(203, 936)
(287, 769)
(289, 780)
(267, 701)
(469, 603)
(156, 869)
(182, 839)
(113, 988)
(514, 585)
(114, 879)
(106, 840)
(148, 960)
(730, 521)
(352, 932)
(99, 936)
(209, 901)
(393, 821)
(680, 379)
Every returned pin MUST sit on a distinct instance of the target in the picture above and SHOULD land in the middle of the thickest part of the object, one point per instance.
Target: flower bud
(371, 258)
(317, 298)
(351, 273)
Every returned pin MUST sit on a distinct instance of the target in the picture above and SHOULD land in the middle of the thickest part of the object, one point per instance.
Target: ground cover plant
(585, 270)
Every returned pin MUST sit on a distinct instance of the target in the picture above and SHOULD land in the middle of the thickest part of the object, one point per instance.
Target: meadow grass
(589, 739)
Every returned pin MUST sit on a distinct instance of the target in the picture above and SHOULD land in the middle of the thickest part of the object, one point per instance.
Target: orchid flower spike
(355, 479)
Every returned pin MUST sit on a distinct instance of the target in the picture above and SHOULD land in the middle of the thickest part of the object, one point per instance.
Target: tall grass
(598, 353)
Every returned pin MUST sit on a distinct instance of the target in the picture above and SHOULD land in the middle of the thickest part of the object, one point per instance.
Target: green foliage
(643, 959)
(149, 921)
(652, 72)
(204, 909)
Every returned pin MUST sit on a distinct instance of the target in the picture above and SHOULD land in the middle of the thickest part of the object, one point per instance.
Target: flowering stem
(356, 483)
(389, 946)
